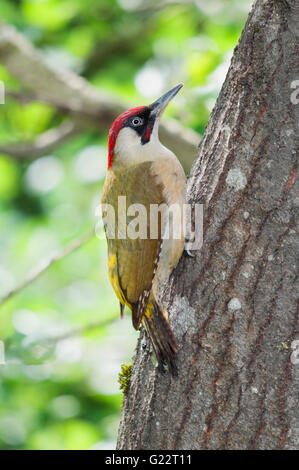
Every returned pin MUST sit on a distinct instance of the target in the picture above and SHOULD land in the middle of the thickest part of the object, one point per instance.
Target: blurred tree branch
(38, 348)
(44, 143)
(45, 264)
(73, 95)
(150, 5)
(78, 331)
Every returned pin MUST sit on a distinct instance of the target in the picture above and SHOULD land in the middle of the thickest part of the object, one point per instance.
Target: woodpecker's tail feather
(162, 338)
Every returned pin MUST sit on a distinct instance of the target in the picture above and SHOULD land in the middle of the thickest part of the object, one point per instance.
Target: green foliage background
(64, 343)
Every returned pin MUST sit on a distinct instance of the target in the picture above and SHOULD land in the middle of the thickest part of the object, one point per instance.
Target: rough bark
(237, 385)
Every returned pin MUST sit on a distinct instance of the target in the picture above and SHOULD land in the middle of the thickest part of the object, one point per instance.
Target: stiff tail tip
(162, 339)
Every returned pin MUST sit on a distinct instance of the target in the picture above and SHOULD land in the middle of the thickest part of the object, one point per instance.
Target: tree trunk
(233, 306)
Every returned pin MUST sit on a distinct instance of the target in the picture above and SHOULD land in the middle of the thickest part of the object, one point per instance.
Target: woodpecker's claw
(189, 253)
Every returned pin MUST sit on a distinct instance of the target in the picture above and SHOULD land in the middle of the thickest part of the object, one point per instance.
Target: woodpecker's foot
(162, 367)
(189, 253)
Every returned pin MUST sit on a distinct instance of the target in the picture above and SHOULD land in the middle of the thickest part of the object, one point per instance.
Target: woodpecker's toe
(189, 253)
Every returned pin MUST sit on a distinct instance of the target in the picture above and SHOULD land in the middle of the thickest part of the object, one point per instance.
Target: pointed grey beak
(161, 103)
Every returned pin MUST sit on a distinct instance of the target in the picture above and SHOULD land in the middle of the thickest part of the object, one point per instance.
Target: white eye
(137, 121)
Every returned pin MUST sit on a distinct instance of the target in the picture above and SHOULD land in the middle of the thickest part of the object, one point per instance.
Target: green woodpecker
(145, 172)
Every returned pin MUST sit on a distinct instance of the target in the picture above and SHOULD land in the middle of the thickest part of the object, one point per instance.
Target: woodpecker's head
(136, 130)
